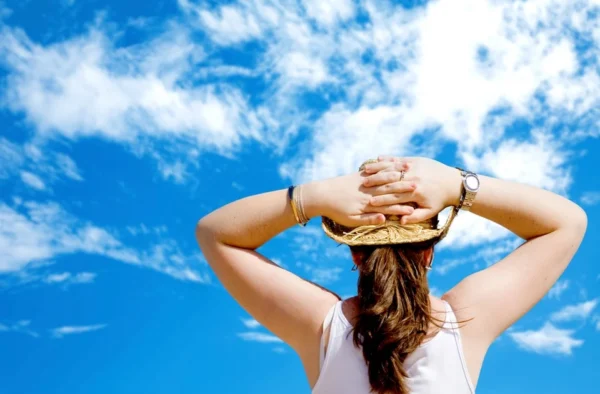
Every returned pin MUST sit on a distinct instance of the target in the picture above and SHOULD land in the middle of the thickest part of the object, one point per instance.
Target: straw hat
(389, 233)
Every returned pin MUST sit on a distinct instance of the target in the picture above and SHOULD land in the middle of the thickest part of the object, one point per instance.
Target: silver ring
(402, 173)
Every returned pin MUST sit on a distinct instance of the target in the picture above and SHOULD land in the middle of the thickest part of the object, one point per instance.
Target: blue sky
(124, 122)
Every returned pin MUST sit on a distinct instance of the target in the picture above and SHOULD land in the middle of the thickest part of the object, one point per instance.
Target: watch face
(472, 182)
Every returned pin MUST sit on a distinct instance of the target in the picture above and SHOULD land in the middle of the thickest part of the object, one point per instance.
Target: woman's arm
(290, 307)
(527, 211)
(496, 297)
(552, 226)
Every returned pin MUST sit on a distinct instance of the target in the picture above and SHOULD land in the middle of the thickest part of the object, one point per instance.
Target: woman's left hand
(345, 199)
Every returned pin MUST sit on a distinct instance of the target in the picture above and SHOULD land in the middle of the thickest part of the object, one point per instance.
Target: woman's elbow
(203, 232)
(577, 221)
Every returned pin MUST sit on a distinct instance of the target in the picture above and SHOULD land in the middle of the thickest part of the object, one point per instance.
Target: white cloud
(68, 278)
(469, 229)
(142, 229)
(259, 337)
(328, 12)
(22, 326)
(590, 198)
(389, 82)
(435, 291)
(547, 340)
(325, 275)
(539, 162)
(485, 257)
(559, 287)
(85, 86)
(32, 180)
(10, 158)
(251, 323)
(60, 332)
(442, 83)
(240, 26)
(575, 312)
(36, 163)
(37, 232)
(68, 167)
(57, 278)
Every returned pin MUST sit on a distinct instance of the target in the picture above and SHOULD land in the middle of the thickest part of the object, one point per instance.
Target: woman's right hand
(436, 185)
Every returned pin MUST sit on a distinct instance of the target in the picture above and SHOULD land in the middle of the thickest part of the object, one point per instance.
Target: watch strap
(467, 197)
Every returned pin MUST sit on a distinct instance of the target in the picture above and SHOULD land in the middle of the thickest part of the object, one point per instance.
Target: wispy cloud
(590, 198)
(559, 287)
(251, 323)
(69, 278)
(34, 232)
(32, 180)
(68, 167)
(37, 166)
(259, 337)
(575, 312)
(487, 255)
(547, 340)
(60, 332)
(11, 158)
(22, 326)
(325, 275)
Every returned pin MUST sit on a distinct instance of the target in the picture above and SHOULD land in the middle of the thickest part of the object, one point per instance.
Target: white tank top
(437, 366)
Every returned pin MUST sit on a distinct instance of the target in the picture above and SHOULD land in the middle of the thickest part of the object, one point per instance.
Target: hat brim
(389, 233)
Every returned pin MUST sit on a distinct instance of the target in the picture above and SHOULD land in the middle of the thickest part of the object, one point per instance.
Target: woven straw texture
(389, 233)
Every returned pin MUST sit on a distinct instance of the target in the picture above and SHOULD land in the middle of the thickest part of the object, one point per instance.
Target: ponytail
(394, 310)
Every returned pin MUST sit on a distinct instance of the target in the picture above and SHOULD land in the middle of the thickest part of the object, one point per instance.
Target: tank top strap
(329, 319)
(450, 322)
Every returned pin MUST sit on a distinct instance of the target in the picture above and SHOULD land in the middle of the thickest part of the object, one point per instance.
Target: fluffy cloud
(504, 62)
(37, 232)
(491, 79)
(87, 86)
(547, 340)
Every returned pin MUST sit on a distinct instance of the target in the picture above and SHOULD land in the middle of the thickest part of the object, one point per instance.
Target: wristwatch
(469, 190)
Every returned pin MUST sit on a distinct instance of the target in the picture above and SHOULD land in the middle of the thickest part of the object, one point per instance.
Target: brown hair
(394, 310)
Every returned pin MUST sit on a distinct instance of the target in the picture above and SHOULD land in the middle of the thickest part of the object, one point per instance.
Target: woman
(393, 337)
